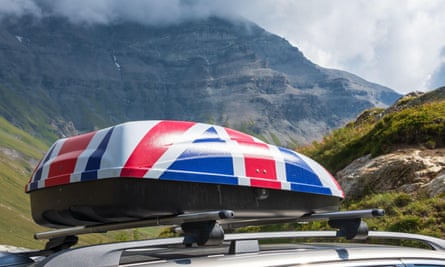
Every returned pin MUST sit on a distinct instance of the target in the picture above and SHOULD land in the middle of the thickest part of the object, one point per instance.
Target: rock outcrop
(410, 170)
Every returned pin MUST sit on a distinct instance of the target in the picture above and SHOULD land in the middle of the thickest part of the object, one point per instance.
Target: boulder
(405, 170)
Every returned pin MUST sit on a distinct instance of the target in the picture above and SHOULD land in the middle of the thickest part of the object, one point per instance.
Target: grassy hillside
(33, 117)
(19, 154)
(414, 121)
(379, 131)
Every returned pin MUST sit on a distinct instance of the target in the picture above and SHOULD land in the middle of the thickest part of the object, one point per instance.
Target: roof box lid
(180, 151)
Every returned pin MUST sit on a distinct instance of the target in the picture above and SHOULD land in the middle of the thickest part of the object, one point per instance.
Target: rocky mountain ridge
(68, 78)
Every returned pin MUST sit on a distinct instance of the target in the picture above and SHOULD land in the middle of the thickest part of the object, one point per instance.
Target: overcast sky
(396, 43)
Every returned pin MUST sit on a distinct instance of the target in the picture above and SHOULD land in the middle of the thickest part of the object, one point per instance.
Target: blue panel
(209, 136)
(89, 176)
(216, 165)
(200, 163)
(311, 189)
(206, 155)
(94, 160)
(297, 174)
(297, 171)
(209, 140)
(210, 133)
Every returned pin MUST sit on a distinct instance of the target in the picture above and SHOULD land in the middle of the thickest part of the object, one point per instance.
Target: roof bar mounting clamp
(202, 233)
(350, 228)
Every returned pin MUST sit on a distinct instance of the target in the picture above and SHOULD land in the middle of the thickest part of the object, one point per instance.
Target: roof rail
(433, 242)
(204, 228)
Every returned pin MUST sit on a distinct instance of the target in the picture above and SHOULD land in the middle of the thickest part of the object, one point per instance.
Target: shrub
(408, 224)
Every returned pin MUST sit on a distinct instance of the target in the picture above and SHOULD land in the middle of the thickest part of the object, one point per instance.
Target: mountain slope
(81, 77)
(415, 120)
(19, 153)
(393, 159)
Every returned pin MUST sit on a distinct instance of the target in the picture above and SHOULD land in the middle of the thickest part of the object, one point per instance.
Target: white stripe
(280, 166)
(82, 160)
(109, 173)
(121, 145)
(239, 168)
(41, 184)
(175, 150)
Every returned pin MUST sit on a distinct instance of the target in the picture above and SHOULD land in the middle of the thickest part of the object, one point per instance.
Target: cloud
(394, 43)
(438, 77)
(149, 12)
(18, 8)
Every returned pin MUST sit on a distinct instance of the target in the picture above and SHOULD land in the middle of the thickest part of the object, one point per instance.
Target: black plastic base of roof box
(129, 199)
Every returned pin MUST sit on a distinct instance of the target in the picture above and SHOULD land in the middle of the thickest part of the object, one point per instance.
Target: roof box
(148, 169)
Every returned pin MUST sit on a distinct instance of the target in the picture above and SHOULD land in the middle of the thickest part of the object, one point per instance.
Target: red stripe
(152, 146)
(265, 183)
(259, 163)
(260, 168)
(239, 136)
(63, 165)
(336, 183)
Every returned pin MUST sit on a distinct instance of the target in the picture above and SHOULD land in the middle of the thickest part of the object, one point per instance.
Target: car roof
(283, 255)
(171, 251)
(239, 249)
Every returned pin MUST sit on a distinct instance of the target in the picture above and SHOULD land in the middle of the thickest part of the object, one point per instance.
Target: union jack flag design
(180, 151)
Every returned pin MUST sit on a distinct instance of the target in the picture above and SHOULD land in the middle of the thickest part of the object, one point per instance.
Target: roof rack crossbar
(101, 228)
(343, 215)
(349, 223)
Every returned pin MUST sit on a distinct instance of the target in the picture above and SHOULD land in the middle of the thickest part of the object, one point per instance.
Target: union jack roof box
(147, 169)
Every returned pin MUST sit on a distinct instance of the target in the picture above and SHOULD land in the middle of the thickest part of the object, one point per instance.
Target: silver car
(246, 250)
(205, 244)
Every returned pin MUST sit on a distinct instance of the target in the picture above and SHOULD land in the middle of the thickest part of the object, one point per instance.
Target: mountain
(59, 78)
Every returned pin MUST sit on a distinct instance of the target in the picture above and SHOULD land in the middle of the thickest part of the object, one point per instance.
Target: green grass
(377, 133)
(33, 117)
(19, 154)
(405, 213)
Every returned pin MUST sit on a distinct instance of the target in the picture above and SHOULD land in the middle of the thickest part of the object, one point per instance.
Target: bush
(408, 224)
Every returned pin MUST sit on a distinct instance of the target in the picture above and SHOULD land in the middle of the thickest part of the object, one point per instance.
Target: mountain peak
(229, 72)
